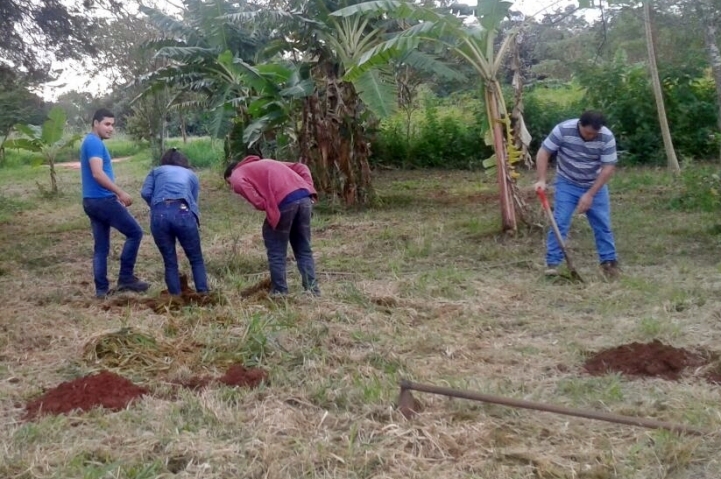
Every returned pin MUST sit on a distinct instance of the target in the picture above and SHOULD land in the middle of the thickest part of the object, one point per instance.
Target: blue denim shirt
(170, 182)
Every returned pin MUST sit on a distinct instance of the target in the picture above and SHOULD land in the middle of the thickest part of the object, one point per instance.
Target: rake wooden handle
(520, 403)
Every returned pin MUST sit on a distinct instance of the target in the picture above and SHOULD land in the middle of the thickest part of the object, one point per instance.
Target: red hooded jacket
(265, 183)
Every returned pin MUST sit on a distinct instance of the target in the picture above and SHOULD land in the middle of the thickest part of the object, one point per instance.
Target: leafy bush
(203, 152)
(701, 189)
(545, 107)
(623, 92)
(448, 133)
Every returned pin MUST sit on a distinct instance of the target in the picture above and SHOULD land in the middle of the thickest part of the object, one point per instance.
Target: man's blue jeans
(106, 213)
(599, 217)
(293, 227)
(171, 220)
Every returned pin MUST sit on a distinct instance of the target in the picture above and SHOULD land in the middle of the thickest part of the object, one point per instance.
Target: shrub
(447, 133)
(623, 92)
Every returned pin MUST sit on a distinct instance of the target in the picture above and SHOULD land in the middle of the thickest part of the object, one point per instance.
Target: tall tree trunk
(508, 211)
(707, 14)
(334, 142)
(672, 161)
(183, 130)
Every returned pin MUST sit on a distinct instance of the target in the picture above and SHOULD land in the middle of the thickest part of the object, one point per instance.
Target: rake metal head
(407, 404)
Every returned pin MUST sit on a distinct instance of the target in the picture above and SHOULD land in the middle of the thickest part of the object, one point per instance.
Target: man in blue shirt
(106, 204)
(586, 159)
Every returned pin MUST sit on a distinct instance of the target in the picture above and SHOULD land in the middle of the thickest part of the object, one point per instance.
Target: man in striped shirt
(586, 158)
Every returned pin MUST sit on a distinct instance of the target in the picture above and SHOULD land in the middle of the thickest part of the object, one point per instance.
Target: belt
(170, 202)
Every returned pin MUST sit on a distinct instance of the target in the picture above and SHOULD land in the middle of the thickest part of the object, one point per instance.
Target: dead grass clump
(133, 350)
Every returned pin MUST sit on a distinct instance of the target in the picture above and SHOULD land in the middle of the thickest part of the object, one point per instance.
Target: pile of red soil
(653, 359)
(104, 389)
(236, 375)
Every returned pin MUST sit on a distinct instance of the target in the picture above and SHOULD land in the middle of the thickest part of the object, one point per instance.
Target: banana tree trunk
(508, 212)
(672, 161)
(334, 144)
(53, 176)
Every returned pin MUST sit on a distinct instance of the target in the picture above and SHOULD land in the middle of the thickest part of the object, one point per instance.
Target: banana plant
(473, 43)
(47, 141)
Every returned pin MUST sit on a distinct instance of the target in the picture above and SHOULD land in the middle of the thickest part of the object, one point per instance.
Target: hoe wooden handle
(520, 403)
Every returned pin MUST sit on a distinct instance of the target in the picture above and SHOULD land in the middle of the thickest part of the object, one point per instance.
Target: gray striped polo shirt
(579, 161)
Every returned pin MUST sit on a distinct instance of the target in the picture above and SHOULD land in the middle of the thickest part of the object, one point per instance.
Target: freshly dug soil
(653, 359)
(236, 375)
(104, 389)
(165, 301)
(239, 375)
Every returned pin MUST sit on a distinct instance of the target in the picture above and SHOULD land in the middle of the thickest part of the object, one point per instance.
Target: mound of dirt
(239, 375)
(165, 301)
(236, 375)
(105, 389)
(259, 289)
(653, 359)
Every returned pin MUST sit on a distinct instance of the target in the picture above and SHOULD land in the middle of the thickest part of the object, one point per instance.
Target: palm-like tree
(473, 43)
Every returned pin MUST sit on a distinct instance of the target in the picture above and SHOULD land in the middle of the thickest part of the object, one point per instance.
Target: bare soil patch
(104, 389)
(653, 359)
(237, 375)
(75, 165)
(165, 301)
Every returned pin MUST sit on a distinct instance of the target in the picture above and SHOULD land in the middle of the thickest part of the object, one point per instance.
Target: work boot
(610, 269)
(551, 271)
(136, 285)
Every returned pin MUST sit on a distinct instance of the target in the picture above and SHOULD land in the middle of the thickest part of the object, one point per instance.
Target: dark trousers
(171, 221)
(293, 228)
(106, 213)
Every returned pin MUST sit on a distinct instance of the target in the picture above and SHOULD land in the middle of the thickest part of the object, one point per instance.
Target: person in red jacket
(286, 193)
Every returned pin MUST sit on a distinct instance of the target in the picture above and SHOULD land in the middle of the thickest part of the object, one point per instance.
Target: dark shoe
(136, 285)
(104, 294)
(610, 269)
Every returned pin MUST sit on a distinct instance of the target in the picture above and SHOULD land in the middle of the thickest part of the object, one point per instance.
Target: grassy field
(419, 287)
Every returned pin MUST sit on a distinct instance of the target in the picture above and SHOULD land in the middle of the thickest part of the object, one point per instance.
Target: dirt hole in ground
(167, 302)
(236, 375)
(104, 389)
(653, 359)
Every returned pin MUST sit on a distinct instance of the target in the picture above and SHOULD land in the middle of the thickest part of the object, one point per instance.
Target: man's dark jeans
(174, 220)
(106, 213)
(293, 227)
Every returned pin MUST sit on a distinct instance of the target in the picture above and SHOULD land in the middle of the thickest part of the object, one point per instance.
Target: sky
(72, 77)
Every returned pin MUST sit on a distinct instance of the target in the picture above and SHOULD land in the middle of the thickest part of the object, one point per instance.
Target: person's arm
(148, 187)
(542, 158)
(550, 145)
(96, 167)
(608, 166)
(245, 188)
(195, 187)
(303, 171)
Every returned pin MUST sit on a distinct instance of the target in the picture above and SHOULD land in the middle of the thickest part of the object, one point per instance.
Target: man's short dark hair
(175, 158)
(101, 114)
(229, 169)
(594, 119)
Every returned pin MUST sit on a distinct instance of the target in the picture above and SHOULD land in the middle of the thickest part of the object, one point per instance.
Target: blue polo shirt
(580, 161)
(93, 147)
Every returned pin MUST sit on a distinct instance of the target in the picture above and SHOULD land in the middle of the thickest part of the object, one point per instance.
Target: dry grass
(419, 287)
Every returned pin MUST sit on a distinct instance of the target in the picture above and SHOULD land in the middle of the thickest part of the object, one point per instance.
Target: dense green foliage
(623, 93)
(444, 133)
